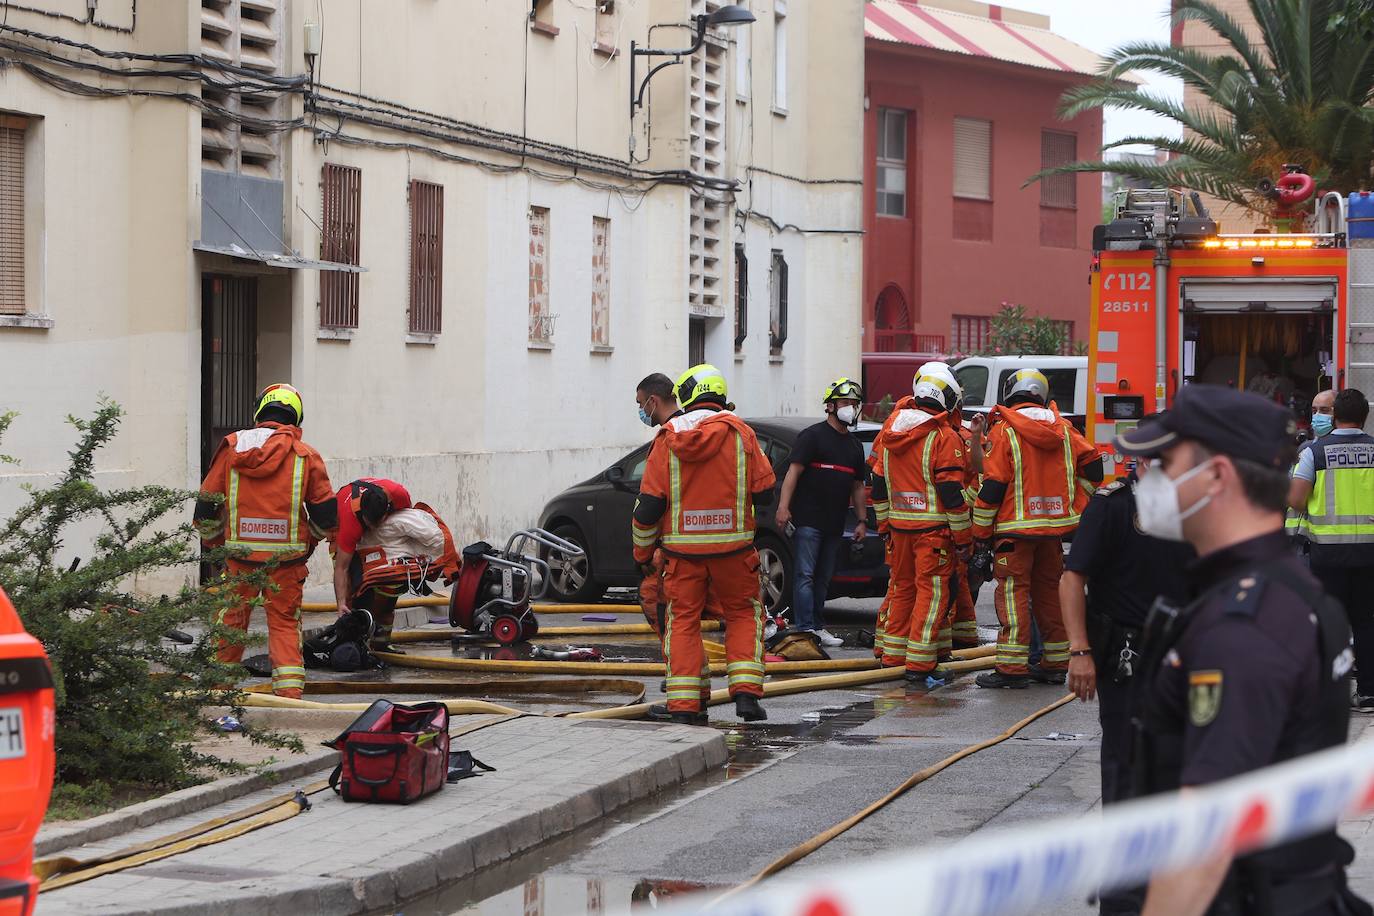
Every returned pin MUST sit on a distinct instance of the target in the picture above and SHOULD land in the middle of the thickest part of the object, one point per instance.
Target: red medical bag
(393, 753)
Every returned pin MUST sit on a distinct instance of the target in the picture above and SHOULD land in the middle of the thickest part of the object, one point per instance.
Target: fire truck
(1175, 301)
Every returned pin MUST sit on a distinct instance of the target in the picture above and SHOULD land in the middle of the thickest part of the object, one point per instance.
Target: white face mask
(848, 414)
(1156, 502)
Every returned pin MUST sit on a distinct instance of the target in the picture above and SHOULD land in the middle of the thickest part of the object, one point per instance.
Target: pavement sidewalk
(552, 776)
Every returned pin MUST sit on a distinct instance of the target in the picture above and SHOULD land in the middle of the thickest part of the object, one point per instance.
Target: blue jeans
(815, 561)
(1037, 646)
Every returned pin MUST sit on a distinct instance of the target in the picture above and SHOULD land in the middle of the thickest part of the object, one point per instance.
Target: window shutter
(343, 188)
(1058, 148)
(426, 257)
(973, 158)
(12, 290)
(741, 296)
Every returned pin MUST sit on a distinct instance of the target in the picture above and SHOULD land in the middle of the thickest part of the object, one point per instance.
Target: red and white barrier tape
(1021, 869)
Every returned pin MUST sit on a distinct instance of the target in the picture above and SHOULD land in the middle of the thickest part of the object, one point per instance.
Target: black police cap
(1225, 420)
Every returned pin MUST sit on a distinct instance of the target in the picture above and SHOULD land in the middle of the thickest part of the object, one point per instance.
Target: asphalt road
(818, 759)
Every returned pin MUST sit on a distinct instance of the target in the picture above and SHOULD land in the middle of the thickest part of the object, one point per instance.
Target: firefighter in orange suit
(656, 399)
(701, 484)
(962, 633)
(267, 497)
(1037, 475)
(880, 623)
(918, 490)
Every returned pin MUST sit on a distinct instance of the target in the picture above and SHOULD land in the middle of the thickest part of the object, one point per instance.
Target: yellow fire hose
(799, 685)
(217, 830)
(643, 669)
(458, 688)
(816, 842)
(614, 629)
(437, 600)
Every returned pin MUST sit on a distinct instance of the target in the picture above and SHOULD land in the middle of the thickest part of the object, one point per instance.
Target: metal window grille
(777, 313)
(541, 321)
(1058, 148)
(891, 165)
(741, 296)
(973, 158)
(243, 33)
(343, 191)
(13, 300)
(601, 282)
(426, 257)
(969, 333)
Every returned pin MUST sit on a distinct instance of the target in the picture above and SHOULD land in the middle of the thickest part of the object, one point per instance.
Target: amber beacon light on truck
(1175, 301)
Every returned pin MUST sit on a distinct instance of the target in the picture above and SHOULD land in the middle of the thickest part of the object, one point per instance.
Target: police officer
(1122, 571)
(1254, 670)
(1333, 494)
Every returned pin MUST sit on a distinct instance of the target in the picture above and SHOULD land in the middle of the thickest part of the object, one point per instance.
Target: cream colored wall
(110, 265)
(476, 422)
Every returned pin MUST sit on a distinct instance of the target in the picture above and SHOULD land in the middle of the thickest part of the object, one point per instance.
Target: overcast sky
(1105, 26)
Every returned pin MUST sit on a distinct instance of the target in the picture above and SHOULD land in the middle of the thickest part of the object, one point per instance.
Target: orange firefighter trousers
(282, 602)
(923, 565)
(652, 601)
(964, 633)
(1028, 571)
(734, 582)
(880, 625)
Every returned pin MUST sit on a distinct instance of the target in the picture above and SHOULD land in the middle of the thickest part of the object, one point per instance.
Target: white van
(982, 378)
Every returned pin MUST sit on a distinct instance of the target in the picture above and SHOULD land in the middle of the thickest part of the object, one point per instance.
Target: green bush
(129, 701)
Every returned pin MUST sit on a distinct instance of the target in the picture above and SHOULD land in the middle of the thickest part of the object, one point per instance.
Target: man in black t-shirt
(825, 478)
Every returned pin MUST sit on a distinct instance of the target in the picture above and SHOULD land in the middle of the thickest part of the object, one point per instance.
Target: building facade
(445, 223)
(961, 104)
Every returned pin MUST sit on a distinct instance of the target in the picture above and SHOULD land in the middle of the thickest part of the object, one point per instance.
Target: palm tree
(1300, 96)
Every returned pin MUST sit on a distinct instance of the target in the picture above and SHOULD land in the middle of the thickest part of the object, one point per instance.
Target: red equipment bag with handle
(392, 753)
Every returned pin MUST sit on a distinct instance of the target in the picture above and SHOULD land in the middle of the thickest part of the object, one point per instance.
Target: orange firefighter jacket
(918, 479)
(276, 495)
(1037, 475)
(704, 476)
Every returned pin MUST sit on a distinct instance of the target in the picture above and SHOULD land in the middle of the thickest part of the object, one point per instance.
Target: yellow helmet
(700, 382)
(283, 395)
(843, 388)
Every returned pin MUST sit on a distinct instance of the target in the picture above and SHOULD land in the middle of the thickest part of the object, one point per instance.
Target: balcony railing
(887, 341)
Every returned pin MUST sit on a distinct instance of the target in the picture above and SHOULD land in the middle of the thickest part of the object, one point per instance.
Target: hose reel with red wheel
(496, 587)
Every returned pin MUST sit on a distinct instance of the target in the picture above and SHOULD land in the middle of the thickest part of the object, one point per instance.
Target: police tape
(1022, 869)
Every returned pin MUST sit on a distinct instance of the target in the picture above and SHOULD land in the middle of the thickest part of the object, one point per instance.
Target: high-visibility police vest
(1339, 522)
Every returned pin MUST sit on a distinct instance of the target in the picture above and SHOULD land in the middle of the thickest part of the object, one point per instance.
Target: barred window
(426, 257)
(343, 189)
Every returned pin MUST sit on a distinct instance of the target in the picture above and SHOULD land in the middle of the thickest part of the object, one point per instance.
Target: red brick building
(961, 101)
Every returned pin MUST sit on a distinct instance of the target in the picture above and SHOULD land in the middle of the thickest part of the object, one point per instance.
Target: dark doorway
(696, 341)
(229, 359)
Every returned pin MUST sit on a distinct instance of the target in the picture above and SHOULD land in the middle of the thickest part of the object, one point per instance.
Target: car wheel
(775, 567)
(570, 578)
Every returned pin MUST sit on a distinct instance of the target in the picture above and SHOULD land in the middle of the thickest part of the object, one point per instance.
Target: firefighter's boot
(747, 708)
(659, 713)
(996, 679)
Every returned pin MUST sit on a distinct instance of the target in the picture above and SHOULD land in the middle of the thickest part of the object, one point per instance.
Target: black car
(595, 514)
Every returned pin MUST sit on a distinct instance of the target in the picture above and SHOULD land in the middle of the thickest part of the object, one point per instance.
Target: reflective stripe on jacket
(1031, 475)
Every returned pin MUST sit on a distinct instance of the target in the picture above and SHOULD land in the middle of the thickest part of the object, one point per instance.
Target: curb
(392, 878)
(61, 836)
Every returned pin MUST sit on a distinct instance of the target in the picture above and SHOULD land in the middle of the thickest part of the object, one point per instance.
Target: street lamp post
(730, 15)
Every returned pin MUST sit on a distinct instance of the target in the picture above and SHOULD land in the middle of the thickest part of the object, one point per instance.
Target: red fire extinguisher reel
(27, 759)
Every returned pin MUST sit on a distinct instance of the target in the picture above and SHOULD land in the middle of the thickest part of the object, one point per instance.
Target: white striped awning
(992, 36)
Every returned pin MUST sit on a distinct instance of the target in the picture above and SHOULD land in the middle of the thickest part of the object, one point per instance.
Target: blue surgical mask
(645, 418)
(1321, 424)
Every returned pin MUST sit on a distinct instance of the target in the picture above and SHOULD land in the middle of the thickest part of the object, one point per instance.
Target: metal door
(229, 359)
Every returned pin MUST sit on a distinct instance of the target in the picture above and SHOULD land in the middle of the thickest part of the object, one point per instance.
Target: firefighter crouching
(918, 493)
(387, 546)
(701, 485)
(267, 497)
(1038, 474)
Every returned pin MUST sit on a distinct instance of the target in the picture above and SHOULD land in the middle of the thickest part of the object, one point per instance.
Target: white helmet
(933, 388)
(952, 394)
(1026, 384)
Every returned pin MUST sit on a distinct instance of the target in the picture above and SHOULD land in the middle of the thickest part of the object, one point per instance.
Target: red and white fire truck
(1174, 301)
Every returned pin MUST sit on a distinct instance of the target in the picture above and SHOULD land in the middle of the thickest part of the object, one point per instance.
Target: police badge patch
(1204, 697)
